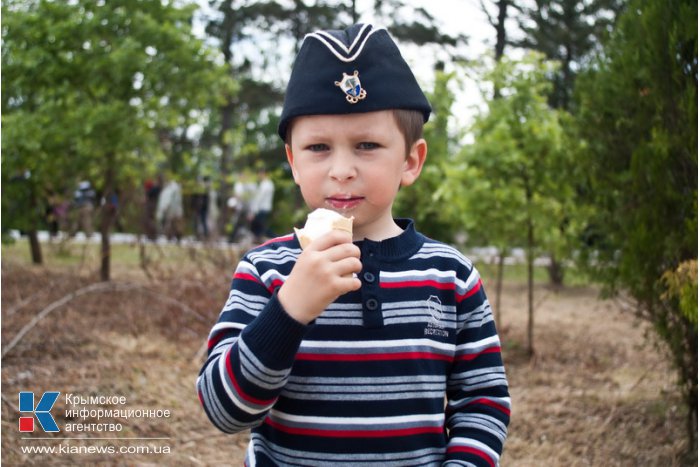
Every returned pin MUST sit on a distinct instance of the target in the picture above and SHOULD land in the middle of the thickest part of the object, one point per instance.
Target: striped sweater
(405, 371)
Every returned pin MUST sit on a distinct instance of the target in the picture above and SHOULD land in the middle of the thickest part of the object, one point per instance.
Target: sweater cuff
(274, 336)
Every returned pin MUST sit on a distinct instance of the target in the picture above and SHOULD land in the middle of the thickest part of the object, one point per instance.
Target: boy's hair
(410, 123)
(356, 70)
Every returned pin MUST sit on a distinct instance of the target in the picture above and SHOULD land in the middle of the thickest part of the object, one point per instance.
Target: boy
(374, 350)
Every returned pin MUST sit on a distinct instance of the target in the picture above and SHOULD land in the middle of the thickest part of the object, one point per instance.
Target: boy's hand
(323, 272)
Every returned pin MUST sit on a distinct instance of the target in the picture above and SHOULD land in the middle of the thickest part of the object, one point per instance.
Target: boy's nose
(342, 168)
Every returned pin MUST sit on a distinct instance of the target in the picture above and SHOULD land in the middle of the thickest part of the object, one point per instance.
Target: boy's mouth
(343, 202)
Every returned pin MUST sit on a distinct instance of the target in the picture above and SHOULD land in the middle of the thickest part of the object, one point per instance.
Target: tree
(249, 35)
(568, 31)
(509, 188)
(113, 74)
(638, 116)
(498, 24)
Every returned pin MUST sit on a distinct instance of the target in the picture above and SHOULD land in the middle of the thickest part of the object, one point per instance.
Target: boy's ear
(290, 159)
(414, 162)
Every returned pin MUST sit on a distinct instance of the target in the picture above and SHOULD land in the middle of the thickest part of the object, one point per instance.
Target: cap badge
(351, 86)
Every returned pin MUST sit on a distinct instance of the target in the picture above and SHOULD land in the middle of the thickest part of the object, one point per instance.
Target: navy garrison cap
(356, 70)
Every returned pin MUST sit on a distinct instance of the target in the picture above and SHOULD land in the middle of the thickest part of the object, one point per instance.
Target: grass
(517, 273)
(77, 255)
(80, 256)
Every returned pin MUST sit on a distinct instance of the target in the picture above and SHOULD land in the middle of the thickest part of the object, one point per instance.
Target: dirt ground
(597, 393)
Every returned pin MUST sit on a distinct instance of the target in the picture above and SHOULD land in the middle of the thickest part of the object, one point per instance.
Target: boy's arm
(253, 344)
(478, 405)
(251, 352)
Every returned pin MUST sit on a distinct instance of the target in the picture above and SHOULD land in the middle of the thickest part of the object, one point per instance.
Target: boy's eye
(317, 147)
(366, 146)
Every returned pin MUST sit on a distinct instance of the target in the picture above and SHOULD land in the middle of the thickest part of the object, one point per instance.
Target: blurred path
(487, 255)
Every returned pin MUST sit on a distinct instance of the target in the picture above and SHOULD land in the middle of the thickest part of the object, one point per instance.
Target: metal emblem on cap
(351, 86)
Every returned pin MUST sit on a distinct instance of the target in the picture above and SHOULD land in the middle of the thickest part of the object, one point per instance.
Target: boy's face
(354, 164)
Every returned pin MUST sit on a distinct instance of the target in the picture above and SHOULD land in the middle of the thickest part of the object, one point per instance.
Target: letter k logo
(42, 411)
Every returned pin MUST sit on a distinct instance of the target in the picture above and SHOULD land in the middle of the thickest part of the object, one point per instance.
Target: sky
(456, 17)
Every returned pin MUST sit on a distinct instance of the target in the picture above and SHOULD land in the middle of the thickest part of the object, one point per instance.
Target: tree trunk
(556, 272)
(500, 26)
(530, 289)
(32, 232)
(499, 286)
(530, 271)
(107, 218)
(105, 248)
(35, 247)
(501, 29)
(225, 166)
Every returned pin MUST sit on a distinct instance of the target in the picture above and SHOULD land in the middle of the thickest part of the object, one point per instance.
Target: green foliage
(90, 86)
(638, 114)
(420, 201)
(512, 187)
(567, 31)
(515, 172)
(289, 209)
(682, 285)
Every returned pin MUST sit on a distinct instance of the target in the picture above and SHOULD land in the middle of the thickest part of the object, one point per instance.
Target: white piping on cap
(323, 37)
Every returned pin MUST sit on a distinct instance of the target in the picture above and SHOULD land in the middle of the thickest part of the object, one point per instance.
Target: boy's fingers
(342, 251)
(350, 283)
(347, 266)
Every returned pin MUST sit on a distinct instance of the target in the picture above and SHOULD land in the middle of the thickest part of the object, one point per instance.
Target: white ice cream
(320, 222)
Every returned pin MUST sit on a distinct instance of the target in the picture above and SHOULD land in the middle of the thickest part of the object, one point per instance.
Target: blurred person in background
(212, 217)
(262, 207)
(83, 208)
(240, 205)
(169, 211)
(151, 189)
(200, 208)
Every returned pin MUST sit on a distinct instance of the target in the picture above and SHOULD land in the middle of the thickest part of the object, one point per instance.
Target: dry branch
(14, 308)
(97, 287)
(92, 288)
(172, 301)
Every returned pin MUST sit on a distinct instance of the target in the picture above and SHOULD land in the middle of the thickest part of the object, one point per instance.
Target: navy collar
(397, 248)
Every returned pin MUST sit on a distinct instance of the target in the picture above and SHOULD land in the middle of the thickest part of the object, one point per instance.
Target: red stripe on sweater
(211, 343)
(372, 356)
(490, 403)
(286, 238)
(470, 292)
(240, 391)
(472, 356)
(434, 284)
(249, 277)
(379, 433)
(412, 284)
(470, 450)
(246, 277)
